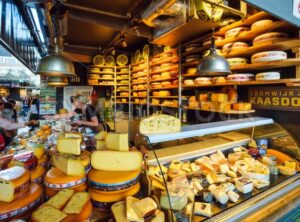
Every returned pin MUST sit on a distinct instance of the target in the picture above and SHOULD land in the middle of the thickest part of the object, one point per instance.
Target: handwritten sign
(275, 98)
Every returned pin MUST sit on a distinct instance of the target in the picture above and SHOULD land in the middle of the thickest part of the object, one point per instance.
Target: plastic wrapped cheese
(160, 124)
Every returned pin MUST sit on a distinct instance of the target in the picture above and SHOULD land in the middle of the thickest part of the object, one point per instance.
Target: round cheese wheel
(241, 106)
(107, 76)
(155, 77)
(240, 77)
(37, 175)
(269, 37)
(103, 201)
(194, 104)
(164, 93)
(155, 68)
(50, 192)
(155, 101)
(143, 93)
(165, 75)
(108, 70)
(165, 83)
(124, 70)
(203, 80)
(84, 216)
(237, 61)
(94, 76)
(192, 58)
(191, 70)
(268, 56)
(141, 66)
(124, 94)
(165, 65)
(233, 46)
(140, 86)
(207, 41)
(188, 82)
(57, 180)
(155, 85)
(112, 181)
(261, 23)
(29, 201)
(235, 32)
(124, 82)
(267, 76)
(191, 47)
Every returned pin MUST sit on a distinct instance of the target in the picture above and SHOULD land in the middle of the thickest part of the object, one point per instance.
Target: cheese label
(23, 187)
(65, 185)
(113, 187)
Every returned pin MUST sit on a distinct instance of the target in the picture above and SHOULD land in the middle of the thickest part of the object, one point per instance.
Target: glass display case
(264, 144)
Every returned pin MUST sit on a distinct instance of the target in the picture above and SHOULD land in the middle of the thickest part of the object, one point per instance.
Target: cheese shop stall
(197, 101)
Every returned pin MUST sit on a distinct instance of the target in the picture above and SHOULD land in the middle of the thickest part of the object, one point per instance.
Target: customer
(26, 103)
(35, 108)
(15, 113)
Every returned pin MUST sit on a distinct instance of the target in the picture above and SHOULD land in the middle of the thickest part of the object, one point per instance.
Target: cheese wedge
(48, 214)
(131, 215)
(68, 145)
(71, 165)
(203, 209)
(116, 160)
(77, 203)
(117, 141)
(144, 207)
(119, 211)
(60, 199)
(14, 183)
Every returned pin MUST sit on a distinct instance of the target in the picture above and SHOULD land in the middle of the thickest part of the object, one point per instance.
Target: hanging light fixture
(57, 81)
(213, 64)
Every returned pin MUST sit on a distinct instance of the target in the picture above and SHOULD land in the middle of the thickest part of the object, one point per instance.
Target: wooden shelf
(217, 111)
(165, 79)
(188, 64)
(103, 85)
(248, 36)
(287, 82)
(140, 62)
(166, 60)
(171, 68)
(138, 83)
(122, 102)
(266, 46)
(163, 105)
(142, 104)
(138, 70)
(164, 97)
(121, 67)
(266, 65)
(119, 79)
(164, 88)
(138, 77)
(166, 52)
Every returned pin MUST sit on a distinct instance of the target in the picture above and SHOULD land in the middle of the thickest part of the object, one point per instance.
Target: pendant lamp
(55, 65)
(57, 81)
(213, 64)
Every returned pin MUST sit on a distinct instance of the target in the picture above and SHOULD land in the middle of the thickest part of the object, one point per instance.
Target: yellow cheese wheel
(241, 106)
(37, 175)
(13, 210)
(56, 179)
(43, 161)
(50, 192)
(83, 216)
(115, 181)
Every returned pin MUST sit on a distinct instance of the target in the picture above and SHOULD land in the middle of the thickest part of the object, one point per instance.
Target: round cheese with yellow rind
(37, 175)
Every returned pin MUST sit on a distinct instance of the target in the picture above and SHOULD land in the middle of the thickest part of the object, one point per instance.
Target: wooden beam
(75, 57)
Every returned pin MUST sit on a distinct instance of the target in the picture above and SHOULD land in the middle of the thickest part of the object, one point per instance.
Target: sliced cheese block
(37, 175)
(109, 181)
(71, 165)
(144, 207)
(233, 196)
(177, 202)
(160, 124)
(117, 141)
(38, 152)
(117, 160)
(57, 179)
(103, 202)
(50, 192)
(244, 184)
(77, 203)
(131, 215)
(28, 202)
(219, 97)
(102, 134)
(268, 56)
(202, 209)
(83, 216)
(60, 199)
(119, 211)
(48, 214)
(68, 145)
(14, 183)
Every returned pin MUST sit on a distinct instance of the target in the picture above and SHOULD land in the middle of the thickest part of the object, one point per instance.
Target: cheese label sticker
(296, 8)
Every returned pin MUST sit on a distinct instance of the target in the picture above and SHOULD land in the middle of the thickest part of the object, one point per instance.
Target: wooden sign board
(275, 98)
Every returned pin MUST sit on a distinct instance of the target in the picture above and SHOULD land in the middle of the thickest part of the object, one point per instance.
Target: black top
(90, 112)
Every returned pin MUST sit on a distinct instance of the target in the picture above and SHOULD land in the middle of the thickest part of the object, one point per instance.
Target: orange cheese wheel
(241, 106)
(37, 175)
(15, 209)
(56, 179)
(50, 192)
(83, 216)
(112, 180)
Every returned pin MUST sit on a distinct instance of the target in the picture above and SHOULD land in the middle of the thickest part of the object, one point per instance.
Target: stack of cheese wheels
(268, 56)
(115, 173)
(237, 61)
(18, 197)
(70, 165)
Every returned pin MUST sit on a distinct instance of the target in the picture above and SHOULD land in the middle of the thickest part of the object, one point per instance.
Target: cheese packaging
(48, 214)
(22, 206)
(117, 141)
(117, 160)
(68, 145)
(202, 209)
(112, 181)
(160, 124)
(71, 165)
(60, 199)
(37, 175)
(77, 203)
(119, 211)
(14, 183)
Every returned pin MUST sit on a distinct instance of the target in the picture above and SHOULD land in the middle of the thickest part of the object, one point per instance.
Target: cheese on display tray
(267, 76)
(271, 36)
(112, 181)
(268, 56)
(19, 209)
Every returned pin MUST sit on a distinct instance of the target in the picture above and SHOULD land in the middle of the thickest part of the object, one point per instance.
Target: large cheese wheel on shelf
(155, 77)
(94, 76)
(219, 79)
(165, 75)
(203, 80)
(234, 46)
(261, 23)
(103, 201)
(271, 36)
(165, 65)
(112, 181)
(188, 82)
(207, 41)
(165, 84)
(267, 76)
(237, 61)
(21, 207)
(240, 77)
(241, 106)
(106, 76)
(164, 93)
(14, 183)
(191, 70)
(155, 85)
(192, 58)
(235, 31)
(155, 101)
(268, 56)
(124, 94)
(191, 47)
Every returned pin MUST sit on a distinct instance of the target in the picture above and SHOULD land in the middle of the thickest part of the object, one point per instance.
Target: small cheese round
(165, 84)
(268, 56)
(219, 79)
(164, 93)
(237, 61)
(234, 46)
(235, 31)
(192, 58)
(267, 76)
(207, 41)
(261, 23)
(270, 36)
(165, 75)
(240, 77)
(155, 85)
(203, 80)
(188, 82)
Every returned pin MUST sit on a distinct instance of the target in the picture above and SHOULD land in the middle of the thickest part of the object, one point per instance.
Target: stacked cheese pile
(18, 197)
(134, 209)
(115, 173)
(65, 206)
(70, 165)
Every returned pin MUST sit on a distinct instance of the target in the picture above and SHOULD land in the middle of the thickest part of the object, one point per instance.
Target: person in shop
(35, 108)
(15, 113)
(90, 116)
(26, 103)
